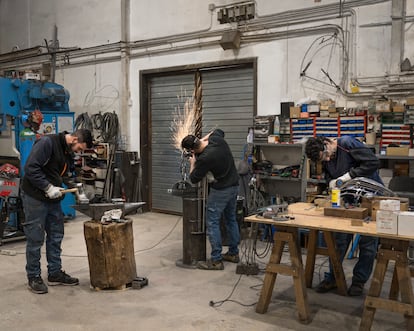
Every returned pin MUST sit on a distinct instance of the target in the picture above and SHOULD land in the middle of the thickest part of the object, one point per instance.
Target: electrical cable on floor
(257, 287)
(265, 251)
(162, 239)
(221, 302)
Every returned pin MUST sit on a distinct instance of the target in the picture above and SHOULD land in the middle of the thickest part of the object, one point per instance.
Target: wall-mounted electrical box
(237, 13)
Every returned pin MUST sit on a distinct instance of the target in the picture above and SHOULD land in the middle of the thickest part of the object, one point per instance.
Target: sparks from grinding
(183, 122)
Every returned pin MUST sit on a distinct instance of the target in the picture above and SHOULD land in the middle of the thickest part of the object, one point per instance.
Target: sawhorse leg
(284, 236)
(396, 250)
(331, 252)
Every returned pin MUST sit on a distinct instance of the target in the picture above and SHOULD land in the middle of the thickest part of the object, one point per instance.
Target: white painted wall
(94, 87)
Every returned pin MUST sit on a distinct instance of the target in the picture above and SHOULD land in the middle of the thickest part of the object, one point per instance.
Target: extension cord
(247, 269)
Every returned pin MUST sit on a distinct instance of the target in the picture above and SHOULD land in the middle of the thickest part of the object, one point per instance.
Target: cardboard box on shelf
(406, 223)
(313, 108)
(273, 139)
(295, 112)
(383, 106)
(398, 151)
(398, 108)
(409, 101)
(326, 104)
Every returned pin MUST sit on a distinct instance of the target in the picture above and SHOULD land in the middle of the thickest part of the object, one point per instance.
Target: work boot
(356, 290)
(62, 278)
(326, 286)
(36, 285)
(210, 265)
(231, 258)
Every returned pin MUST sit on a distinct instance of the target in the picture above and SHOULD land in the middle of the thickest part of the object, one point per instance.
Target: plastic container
(336, 198)
(250, 136)
(276, 126)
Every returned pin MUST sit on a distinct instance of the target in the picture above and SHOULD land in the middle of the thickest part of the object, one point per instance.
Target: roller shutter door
(167, 93)
(227, 103)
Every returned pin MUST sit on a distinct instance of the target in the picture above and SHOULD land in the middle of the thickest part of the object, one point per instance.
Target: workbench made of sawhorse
(393, 248)
(284, 236)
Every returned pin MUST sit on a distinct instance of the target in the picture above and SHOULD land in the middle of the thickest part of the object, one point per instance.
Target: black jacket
(218, 159)
(354, 157)
(47, 163)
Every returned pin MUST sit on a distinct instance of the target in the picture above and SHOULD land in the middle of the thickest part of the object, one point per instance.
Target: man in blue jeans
(342, 159)
(49, 160)
(211, 156)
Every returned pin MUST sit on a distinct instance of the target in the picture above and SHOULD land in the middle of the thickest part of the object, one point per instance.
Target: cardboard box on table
(373, 204)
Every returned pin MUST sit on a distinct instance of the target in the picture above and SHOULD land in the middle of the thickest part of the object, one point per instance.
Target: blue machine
(21, 101)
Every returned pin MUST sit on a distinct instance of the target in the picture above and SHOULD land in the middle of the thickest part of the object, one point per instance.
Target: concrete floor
(176, 298)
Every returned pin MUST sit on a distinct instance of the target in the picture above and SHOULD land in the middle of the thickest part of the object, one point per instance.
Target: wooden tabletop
(308, 216)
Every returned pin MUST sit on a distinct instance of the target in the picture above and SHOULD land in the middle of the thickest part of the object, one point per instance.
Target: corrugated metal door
(167, 94)
(227, 103)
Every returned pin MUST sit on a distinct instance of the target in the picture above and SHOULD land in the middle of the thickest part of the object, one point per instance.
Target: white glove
(332, 184)
(339, 181)
(53, 192)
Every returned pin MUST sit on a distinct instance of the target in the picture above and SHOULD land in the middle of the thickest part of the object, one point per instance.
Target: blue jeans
(222, 202)
(367, 252)
(42, 217)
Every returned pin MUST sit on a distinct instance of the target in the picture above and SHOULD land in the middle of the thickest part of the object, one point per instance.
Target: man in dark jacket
(47, 164)
(342, 159)
(212, 157)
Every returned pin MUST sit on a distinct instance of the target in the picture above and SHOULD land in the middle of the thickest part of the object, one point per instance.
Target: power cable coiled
(83, 121)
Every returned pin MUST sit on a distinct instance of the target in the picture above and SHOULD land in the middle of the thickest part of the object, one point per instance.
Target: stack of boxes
(392, 217)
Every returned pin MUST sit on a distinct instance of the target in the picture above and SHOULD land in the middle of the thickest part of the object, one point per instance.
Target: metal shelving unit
(281, 156)
(328, 127)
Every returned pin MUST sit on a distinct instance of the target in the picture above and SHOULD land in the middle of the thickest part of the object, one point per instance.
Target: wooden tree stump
(110, 254)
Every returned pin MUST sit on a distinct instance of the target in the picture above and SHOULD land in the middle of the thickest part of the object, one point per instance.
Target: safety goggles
(325, 153)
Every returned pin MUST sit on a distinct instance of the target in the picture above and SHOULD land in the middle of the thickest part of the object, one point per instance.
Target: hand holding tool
(53, 192)
(79, 193)
(339, 181)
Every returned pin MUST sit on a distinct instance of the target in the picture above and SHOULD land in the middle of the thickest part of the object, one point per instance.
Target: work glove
(339, 181)
(53, 192)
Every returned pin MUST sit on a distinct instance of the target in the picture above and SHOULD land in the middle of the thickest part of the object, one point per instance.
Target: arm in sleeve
(367, 162)
(200, 170)
(39, 156)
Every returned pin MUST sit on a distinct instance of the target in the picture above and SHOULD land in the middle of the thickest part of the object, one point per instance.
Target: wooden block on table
(357, 222)
(357, 213)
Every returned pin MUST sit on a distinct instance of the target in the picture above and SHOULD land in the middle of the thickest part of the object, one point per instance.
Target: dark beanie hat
(189, 142)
